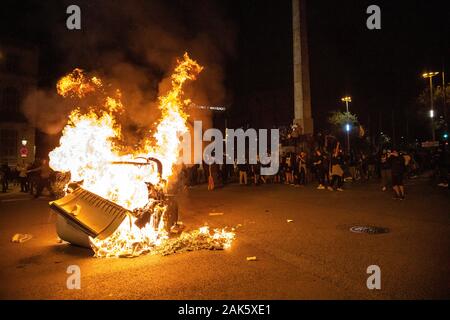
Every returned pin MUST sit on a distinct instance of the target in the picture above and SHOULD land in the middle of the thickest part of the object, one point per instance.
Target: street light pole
(444, 102)
(347, 99)
(430, 75)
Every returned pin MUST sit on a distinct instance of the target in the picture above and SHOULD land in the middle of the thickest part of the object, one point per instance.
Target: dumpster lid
(92, 214)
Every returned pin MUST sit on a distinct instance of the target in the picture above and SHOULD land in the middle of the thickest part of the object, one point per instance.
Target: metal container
(82, 214)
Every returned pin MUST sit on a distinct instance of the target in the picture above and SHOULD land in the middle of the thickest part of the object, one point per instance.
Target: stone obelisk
(302, 94)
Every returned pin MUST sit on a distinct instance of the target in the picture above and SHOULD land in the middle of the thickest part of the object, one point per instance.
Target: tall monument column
(302, 94)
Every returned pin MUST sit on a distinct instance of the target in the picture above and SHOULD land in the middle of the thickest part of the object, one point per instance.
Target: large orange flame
(88, 152)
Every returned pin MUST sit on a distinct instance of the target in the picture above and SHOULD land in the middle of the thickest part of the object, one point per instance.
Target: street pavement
(313, 257)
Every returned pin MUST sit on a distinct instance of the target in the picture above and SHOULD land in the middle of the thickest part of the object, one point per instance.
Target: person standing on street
(385, 168)
(319, 169)
(289, 175)
(23, 176)
(43, 178)
(5, 174)
(337, 173)
(397, 172)
(243, 170)
(256, 169)
(302, 168)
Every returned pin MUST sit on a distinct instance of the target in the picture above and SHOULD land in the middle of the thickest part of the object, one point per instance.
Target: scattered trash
(21, 237)
(251, 258)
(289, 221)
(216, 213)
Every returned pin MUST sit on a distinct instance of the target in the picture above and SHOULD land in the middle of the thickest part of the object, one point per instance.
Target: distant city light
(347, 127)
(431, 113)
(24, 142)
(214, 108)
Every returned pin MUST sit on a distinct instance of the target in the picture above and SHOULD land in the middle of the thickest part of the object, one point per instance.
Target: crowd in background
(330, 169)
(326, 169)
(32, 178)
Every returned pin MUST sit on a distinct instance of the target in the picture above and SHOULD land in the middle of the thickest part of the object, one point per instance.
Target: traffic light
(445, 136)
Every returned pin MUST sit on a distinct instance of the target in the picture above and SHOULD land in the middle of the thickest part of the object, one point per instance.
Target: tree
(438, 97)
(340, 119)
(439, 103)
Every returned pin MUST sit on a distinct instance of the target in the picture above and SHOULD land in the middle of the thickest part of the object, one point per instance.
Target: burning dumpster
(82, 214)
(116, 197)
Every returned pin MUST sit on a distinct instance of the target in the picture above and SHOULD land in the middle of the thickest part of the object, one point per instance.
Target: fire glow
(88, 151)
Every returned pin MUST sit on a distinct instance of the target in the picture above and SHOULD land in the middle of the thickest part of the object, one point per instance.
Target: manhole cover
(369, 229)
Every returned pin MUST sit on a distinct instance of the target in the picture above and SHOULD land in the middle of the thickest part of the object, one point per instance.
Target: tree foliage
(340, 119)
(438, 96)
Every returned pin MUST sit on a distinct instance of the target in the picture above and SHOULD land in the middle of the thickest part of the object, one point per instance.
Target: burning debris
(201, 239)
(115, 202)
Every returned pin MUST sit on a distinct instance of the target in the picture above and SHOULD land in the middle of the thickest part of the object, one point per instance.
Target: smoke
(133, 45)
(44, 109)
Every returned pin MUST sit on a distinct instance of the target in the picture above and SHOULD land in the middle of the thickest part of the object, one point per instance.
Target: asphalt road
(313, 257)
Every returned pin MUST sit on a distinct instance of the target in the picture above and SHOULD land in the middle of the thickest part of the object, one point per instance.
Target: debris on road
(201, 239)
(21, 237)
(251, 258)
(289, 221)
(216, 214)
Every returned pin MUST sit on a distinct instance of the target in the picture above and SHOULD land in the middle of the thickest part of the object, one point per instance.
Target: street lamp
(430, 75)
(347, 127)
(347, 99)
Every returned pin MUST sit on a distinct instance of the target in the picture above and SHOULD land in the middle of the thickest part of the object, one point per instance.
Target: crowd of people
(32, 178)
(328, 169)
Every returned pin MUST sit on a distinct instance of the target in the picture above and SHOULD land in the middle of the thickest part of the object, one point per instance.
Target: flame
(88, 151)
(76, 84)
(173, 123)
(129, 240)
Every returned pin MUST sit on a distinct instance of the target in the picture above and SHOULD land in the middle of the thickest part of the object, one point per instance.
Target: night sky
(380, 69)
